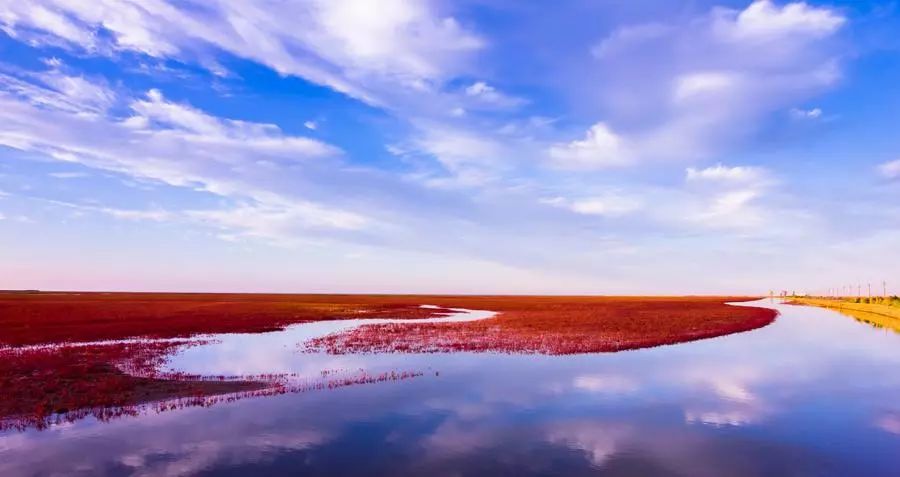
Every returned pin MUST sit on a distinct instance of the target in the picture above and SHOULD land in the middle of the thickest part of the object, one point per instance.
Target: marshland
(448, 385)
(449, 238)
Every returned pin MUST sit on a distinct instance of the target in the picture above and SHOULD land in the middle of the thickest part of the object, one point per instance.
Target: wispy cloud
(489, 95)
(691, 89)
(69, 175)
(609, 204)
(808, 114)
(178, 145)
(890, 170)
(722, 173)
(354, 46)
(451, 136)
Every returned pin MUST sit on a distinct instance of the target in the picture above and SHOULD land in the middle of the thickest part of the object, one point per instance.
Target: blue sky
(430, 146)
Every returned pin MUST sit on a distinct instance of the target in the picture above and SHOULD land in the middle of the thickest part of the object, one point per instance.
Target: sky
(475, 146)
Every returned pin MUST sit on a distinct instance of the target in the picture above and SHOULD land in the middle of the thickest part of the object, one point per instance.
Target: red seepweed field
(558, 325)
(51, 317)
(44, 374)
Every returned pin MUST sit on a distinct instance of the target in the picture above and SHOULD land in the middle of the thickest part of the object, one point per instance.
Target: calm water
(815, 393)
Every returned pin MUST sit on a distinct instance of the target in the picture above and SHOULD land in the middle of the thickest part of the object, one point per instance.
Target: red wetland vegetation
(557, 325)
(53, 370)
(49, 317)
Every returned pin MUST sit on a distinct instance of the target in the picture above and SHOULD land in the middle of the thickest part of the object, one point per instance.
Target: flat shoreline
(876, 314)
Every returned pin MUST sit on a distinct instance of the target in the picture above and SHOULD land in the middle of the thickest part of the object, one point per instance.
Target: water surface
(815, 393)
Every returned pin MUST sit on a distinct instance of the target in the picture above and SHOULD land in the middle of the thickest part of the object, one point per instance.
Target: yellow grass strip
(875, 314)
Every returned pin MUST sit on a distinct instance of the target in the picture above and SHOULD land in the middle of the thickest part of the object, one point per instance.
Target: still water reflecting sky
(815, 393)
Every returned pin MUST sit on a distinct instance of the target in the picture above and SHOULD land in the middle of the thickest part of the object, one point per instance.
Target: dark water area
(814, 394)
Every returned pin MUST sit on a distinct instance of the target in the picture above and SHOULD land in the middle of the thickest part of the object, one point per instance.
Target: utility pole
(884, 289)
(870, 291)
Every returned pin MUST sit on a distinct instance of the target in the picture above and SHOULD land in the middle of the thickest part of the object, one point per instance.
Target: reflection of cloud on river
(598, 440)
(605, 383)
(619, 447)
(724, 395)
(734, 417)
(160, 445)
(189, 458)
(889, 422)
(456, 438)
(729, 381)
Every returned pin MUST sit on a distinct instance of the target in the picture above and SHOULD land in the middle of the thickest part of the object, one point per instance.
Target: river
(813, 394)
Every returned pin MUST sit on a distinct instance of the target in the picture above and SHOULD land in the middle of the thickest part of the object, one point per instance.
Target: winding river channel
(813, 394)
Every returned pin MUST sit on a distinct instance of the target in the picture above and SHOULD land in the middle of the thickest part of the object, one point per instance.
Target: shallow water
(815, 393)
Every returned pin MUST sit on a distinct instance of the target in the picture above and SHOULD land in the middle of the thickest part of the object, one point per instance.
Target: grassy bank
(879, 312)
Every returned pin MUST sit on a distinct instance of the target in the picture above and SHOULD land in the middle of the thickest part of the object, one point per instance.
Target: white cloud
(479, 88)
(152, 215)
(625, 37)
(488, 94)
(609, 204)
(392, 36)
(729, 197)
(704, 83)
(278, 219)
(311, 125)
(365, 49)
(814, 113)
(179, 145)
(601, 147)
(156, 116)
(68, 175)
(891, 169)
(731, 208)
(721, 172)
(687, 90)
(15, 15)
(88, 94)
(471, 159)
(694, 88)
(763, 21)
(55, 89)
(52, 62)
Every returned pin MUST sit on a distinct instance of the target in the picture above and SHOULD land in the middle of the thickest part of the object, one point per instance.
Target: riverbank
(880, 314)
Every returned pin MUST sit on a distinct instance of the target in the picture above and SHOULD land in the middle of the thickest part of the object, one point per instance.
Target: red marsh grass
(558, 325)
(35, 318)
(40, 382)
(58, 379)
